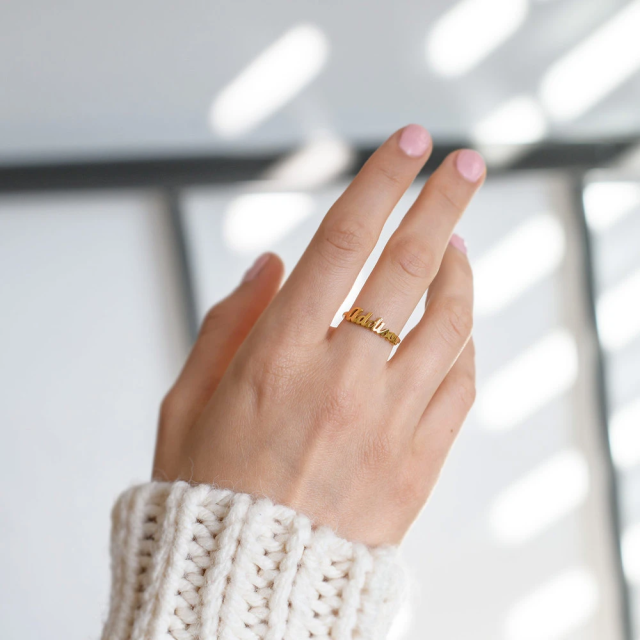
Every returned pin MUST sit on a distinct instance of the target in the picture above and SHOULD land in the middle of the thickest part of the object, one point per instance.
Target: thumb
(223, 330)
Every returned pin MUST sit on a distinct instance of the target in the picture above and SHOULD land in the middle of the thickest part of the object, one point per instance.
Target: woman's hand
(272, 401)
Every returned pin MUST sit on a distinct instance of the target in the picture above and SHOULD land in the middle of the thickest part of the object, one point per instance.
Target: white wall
(122, 77)
(90, 338)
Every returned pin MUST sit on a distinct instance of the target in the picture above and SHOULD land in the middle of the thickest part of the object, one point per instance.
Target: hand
(272, 401)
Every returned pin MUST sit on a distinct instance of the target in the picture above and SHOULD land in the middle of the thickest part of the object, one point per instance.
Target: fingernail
(255, 268)
(414, 140)
(470, 164)
(458, 243)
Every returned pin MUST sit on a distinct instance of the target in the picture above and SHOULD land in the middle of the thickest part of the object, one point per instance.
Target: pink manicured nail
(256, 267)
(470, 164)
(458, 243)
(414, 140)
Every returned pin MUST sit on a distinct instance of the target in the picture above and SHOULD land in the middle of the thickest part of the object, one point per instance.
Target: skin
(274, 402)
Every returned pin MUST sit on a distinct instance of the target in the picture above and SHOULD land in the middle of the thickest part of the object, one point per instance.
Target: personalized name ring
(357, 316)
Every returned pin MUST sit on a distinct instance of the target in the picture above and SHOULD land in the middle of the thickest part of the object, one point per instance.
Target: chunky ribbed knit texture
(201, 563)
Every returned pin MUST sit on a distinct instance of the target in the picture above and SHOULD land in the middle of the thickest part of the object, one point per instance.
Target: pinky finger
(443, 418)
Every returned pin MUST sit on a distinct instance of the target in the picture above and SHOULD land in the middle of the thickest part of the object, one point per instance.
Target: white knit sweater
(201, 563)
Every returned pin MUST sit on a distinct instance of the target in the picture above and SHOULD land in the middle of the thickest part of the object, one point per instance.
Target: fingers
(434, 344)
(349, 232)
(223, 330)
(414, 252)
(441, 421)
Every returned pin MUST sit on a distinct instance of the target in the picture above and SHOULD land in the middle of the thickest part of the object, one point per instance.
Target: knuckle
(414, 258)
(345, 239)
(466, 390)
(212, 319)
(455, 321)
(445, 199)
(390, 176)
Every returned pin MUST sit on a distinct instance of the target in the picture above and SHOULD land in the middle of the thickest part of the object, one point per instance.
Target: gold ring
(357, 316)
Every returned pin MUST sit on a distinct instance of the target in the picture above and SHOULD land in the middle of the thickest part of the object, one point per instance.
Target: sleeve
(194, 562)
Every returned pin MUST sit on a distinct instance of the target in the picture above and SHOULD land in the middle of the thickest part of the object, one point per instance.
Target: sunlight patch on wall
(536, 501)
(467, 34)
(554, 609)
(618, 311)
(520, 120)
(508, 131)
(529, 253)
(257, 221)
(624, 435)
(592, 70)
(542, 372)
(402, 622)
(606, 203)
(631, 553)
(272, 80)
(318, 162)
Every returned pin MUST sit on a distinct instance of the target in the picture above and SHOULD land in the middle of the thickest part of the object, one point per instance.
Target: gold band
(357, 316)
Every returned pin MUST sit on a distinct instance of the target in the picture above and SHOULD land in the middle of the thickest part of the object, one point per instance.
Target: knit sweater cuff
(197, 562)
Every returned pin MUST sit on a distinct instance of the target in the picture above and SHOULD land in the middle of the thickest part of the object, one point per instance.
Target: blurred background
(149, 151)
